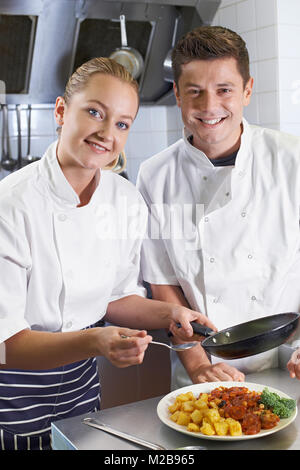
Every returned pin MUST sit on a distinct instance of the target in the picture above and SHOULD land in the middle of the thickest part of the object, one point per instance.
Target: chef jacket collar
(58, 185)
(201, 159)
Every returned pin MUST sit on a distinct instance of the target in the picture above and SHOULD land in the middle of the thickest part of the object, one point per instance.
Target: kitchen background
(271, 29)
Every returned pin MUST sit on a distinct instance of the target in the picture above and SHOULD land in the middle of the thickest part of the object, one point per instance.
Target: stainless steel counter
(140, 419)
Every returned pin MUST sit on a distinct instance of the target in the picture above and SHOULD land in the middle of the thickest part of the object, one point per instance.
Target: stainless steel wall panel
(57, 32)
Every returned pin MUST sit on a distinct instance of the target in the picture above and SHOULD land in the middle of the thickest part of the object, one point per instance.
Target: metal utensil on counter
(29, 158)
(7, 162)
(128, 437)
(129, 57)
(92, 422)
(174, 347)
(249, 338)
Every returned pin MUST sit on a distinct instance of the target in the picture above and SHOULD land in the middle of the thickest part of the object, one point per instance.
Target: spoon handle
(161, 344)
(123, 31)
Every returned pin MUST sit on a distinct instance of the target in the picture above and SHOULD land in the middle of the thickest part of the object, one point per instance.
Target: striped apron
(31, 400)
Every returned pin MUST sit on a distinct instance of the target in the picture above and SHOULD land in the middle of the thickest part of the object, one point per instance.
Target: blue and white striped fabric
(31, 400)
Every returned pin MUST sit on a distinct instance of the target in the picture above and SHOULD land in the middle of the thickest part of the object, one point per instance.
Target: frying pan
(250, 338)
(130, 58)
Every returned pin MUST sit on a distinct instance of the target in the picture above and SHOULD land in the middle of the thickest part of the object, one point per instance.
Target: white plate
(164, 414)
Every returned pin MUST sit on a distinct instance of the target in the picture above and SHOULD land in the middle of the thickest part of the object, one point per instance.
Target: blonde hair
(79, 79)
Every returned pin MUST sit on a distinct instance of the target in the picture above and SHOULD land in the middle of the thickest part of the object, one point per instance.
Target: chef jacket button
(206, 219)
(205, 178)
(243, 214)
(62, 217)
(212, 260)
(253, 297)
(227, 194)
(250, 256)
(69, 324)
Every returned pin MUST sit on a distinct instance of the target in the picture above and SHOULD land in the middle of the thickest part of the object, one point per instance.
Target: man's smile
(212, 122)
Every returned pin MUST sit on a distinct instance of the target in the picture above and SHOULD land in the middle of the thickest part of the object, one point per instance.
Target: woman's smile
(97, 147)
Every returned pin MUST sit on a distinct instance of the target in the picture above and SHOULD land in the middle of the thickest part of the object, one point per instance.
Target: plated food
(227, 410)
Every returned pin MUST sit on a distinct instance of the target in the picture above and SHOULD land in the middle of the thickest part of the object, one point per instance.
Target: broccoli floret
(282, 407)
(289, 403)
(268, 398)
(281, 410)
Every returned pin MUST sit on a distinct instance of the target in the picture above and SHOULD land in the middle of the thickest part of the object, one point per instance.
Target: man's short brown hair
(208, 43)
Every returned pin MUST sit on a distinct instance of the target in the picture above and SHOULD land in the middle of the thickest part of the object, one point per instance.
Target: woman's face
(95, 122)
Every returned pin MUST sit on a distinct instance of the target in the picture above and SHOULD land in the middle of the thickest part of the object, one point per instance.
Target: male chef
(224, 205)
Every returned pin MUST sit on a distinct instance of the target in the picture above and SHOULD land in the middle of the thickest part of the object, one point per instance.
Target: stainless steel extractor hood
(43, 41)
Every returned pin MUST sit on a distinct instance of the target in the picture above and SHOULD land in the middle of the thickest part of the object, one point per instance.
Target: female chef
(69, 256)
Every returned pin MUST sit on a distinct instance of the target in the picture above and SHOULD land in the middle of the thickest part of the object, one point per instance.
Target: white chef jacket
(61, 264)
(239, 258)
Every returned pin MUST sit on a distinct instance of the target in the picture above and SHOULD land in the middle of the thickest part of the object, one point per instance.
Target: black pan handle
(201, 329)
(198, 329)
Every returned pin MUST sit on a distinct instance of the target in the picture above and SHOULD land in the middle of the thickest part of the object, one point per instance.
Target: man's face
(211, 95)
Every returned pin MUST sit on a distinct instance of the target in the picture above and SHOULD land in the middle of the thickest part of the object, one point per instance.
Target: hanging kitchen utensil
(21, 161)
(29, 158)
(7, 163)
(167, 65)
(129, 57)
(249, 338)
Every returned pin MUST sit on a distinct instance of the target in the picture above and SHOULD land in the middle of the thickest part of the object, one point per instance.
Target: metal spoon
(177, 347)
(174, 347)
(7, 162)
